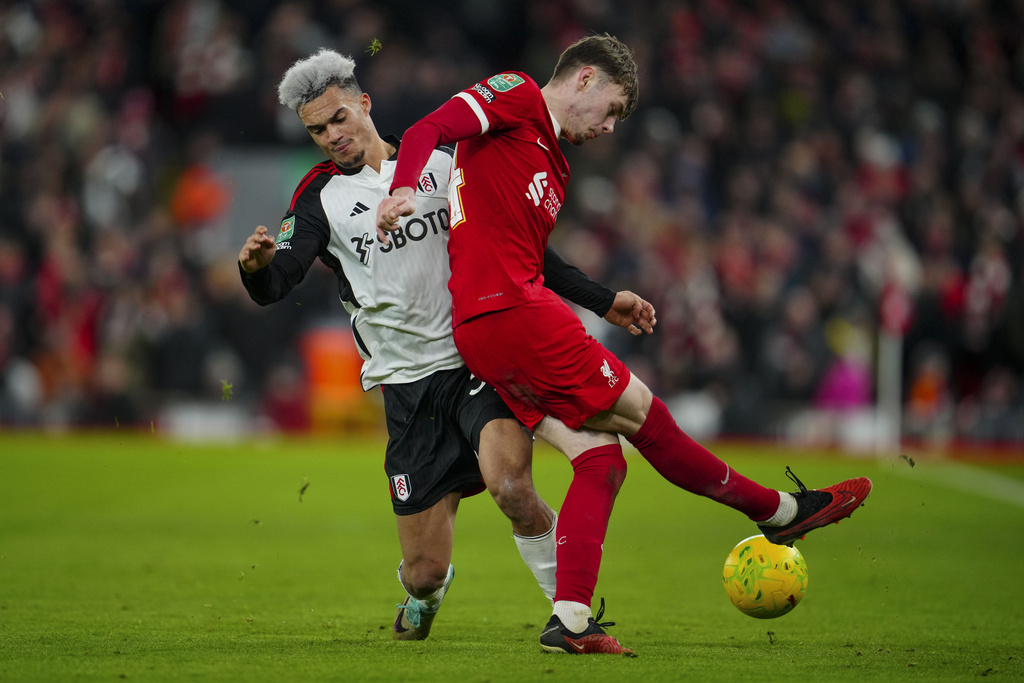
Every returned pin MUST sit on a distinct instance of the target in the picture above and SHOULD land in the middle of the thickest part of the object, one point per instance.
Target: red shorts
(541, 360)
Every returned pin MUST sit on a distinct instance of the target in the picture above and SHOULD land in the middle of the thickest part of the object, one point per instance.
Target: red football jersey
(507, 186)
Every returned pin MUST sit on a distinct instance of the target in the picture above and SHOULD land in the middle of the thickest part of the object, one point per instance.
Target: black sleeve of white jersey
(570, 282)
(295, 254)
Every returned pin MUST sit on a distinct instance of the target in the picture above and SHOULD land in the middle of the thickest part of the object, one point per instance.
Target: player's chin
(348, 161)
(579, 139)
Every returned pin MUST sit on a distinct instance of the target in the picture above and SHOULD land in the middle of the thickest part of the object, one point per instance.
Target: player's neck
(555, 98)
(381, 150)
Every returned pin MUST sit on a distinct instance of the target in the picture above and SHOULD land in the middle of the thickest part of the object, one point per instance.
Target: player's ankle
(785, 513)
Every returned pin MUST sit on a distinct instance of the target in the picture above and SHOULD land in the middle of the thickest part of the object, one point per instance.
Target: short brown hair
(609, 55)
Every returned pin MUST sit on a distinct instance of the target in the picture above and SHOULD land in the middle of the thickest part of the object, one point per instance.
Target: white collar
(554, 122)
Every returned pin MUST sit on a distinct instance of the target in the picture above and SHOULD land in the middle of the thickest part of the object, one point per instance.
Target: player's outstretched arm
(449, 123)
(258, 251)
(624, 309)
(632, 312)
(269, 274)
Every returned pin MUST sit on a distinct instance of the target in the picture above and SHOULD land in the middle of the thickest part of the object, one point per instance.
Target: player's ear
(364, 103)
(585, 76)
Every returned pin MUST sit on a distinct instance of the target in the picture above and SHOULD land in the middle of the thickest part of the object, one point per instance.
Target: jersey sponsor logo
(363, 245)
(418, 229)
(552, 204)
(540, 193)
(358, 209)
(606, 370)
(287, 229)
(401, 487)
(536, 189)
(504, 82)
(484, 92)
(427, 184)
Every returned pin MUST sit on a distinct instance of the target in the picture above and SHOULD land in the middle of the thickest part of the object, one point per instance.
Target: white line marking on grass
(969, 479)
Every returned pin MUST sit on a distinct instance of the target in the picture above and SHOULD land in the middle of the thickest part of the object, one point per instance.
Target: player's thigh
(628, 413)
(503, 447)
(572, 442)
(506, 452)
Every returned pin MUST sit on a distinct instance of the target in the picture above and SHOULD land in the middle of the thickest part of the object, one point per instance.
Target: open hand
(258, 251)
(632, 312)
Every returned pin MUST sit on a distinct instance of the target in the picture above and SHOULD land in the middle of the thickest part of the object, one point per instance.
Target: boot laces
(600, 613)
(795, 480)
(413, 612)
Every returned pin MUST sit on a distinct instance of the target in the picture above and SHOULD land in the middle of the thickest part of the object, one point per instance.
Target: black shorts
(434, 429)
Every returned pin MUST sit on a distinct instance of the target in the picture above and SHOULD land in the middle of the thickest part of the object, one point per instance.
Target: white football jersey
(397, 294)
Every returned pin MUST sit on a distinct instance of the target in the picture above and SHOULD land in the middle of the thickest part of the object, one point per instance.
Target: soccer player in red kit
(508, 183)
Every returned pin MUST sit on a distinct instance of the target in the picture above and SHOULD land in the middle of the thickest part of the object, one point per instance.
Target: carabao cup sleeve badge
(504, 82)
(287, 229)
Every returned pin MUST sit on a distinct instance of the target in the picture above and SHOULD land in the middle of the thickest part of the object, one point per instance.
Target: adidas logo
(358, 209)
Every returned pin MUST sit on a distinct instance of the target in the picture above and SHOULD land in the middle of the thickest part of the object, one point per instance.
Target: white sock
(433, 601)
(538, 553)
(574, 615)
(786, 512)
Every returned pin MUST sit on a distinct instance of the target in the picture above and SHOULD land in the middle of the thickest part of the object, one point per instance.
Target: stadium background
(794, 170)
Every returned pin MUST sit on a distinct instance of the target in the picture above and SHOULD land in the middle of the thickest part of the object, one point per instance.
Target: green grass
(125, 556)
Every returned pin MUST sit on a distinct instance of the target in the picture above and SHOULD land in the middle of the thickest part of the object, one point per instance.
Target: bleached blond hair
(308, 79)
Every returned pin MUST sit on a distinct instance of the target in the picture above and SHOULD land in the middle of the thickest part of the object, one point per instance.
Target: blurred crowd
(800, 180)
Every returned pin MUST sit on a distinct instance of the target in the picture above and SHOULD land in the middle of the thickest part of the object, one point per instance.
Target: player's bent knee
(617, 471)
(425, 576)
(602, 465)
(512, 494)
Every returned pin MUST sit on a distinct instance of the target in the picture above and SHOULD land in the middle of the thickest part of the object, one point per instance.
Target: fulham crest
(427, 184)
(400, 487)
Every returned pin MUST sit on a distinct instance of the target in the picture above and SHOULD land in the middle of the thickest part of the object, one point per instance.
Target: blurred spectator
(929, 409)
(846, 385)
(794, 352)
(995, 414)
(199, 197)
(788, 162)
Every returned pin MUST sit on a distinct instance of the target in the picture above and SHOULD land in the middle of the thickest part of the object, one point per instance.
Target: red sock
(583, 521)
(690, 466)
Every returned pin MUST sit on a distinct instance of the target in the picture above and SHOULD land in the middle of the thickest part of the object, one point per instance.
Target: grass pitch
(127, 557)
